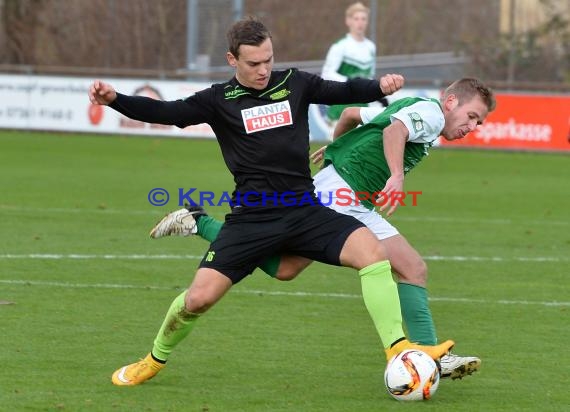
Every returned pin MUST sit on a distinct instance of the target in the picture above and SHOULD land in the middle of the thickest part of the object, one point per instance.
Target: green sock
(209, 228)
(380, 295)
(416, 314)
(177, 324)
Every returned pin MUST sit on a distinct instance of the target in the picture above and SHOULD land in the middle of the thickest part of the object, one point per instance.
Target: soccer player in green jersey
(354, 55)
(373, 159)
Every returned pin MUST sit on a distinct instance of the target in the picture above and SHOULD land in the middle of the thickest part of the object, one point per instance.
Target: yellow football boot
(435, 352)
(138, 372)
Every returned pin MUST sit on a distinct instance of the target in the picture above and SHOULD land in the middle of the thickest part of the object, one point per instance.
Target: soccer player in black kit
(260, 118)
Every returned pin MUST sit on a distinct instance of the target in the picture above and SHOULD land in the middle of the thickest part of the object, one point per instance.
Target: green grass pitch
(84, 289)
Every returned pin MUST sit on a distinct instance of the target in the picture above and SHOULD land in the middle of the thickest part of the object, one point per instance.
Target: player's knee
(421, 272)
(380, 251)
(369, 254)
(198, 301)
(376, 253)
(289, 268)
(415, 274)
(286, 273)
(285, 276)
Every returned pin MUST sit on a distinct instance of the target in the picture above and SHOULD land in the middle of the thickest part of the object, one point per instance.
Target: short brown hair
(249, 31)
(355, 8)
(467, 88)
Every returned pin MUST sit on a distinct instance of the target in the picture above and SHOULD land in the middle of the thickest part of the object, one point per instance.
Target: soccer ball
(412, 375)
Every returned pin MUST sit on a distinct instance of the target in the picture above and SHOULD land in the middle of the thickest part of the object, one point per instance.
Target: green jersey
(346, 59)
(349, 58)
(358, 155)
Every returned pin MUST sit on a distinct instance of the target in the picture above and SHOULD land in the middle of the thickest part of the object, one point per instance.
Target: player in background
(352, 56)
(369, 159)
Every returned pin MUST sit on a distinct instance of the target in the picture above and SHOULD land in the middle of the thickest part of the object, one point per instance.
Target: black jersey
(263, 134)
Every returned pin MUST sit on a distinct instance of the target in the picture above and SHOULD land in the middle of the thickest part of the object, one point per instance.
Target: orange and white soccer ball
(412, 375)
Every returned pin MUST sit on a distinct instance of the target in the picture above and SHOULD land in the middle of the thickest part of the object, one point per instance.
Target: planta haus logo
(269, 116)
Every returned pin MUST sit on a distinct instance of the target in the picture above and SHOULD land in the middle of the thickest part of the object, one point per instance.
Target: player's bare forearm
(395, 137)
(349, 119)
(318, 156)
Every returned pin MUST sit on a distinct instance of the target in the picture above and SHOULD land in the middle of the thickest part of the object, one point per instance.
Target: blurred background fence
(513, 44)
(51, 50)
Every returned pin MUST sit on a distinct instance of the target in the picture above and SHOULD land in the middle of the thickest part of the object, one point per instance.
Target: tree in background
(151, 34)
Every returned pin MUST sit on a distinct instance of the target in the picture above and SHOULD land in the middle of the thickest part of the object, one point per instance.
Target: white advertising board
(61, 104)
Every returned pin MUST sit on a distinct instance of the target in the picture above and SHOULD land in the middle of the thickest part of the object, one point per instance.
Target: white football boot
(178, 223)
(457, 367)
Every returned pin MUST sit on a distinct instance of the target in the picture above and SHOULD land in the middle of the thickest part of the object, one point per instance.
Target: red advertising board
(523, 122)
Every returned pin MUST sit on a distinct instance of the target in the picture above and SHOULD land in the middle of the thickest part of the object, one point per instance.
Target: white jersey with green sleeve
(358, 155)
(346, 59)
(349, 58)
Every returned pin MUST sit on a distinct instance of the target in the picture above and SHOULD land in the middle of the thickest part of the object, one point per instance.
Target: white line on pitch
(475, 220)
(269, 293)
(56, 256)
(499, 258)
(78, 210)
(72, 256)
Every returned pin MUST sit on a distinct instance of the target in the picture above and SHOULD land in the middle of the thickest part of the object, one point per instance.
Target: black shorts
(249, 236)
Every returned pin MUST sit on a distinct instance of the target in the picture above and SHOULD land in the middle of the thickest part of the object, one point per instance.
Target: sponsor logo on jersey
(417, 121)
(236, 92)
(269, 116)
(281, 94)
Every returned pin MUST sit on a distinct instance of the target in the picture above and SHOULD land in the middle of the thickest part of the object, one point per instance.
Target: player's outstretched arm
(145, 109)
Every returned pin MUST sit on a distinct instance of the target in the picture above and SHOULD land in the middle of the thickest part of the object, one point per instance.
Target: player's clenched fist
(101, 93)
(391, 83)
